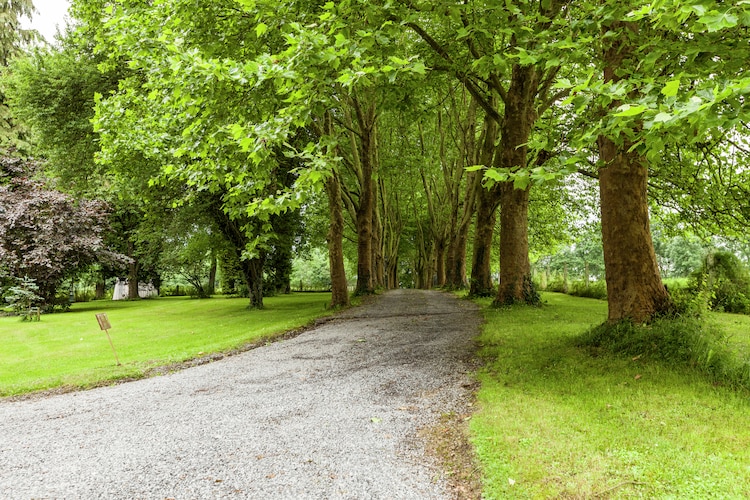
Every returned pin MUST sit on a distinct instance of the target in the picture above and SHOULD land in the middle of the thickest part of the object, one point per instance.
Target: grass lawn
(737, 327)
(70, 350)
(555, 422)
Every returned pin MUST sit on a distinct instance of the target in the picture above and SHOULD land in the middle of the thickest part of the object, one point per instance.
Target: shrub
(557, 285)
(726, 281)
(592, 289)
(682, 340)
(23, 295)
(84, 294)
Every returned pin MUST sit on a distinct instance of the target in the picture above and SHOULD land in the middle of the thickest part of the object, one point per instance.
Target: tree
(224, 114)
(45, 235)
(634, 286)
(52, 91)
(644, 109)
(13, 40)
(507, 57)
(191, 255)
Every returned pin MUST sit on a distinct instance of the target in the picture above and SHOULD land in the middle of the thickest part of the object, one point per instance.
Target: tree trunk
(133, 268)
(487, 201)
(211, 289)
(634, 287)
(440, 250)
(378, 260)
(339, 287)
(99, 290)
(481, 269)
(365, 276)
(252, 270)
(519, 116)
(515, 270)
(456, 261)
(455, 266)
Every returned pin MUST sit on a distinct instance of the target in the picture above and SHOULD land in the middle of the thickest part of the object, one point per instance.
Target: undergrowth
(689, 340)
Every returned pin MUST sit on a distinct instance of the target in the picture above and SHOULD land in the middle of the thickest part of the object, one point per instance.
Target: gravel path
(332, 413)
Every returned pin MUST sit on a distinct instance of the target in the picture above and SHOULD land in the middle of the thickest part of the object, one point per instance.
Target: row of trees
(423, 123)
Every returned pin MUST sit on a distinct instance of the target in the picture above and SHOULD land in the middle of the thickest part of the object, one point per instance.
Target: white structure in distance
(145, 290)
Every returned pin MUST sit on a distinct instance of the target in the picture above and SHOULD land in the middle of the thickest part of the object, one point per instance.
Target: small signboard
(103, 321)
(105, 326)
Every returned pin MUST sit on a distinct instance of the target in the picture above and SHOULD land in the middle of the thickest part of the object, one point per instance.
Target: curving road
(333, 413)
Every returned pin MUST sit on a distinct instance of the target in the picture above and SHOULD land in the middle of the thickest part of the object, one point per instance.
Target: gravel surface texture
(332, 413)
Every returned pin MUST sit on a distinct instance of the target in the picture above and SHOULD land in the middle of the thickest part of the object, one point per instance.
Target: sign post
(105, 326)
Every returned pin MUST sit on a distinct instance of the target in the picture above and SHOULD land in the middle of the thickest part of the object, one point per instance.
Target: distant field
(69, 349)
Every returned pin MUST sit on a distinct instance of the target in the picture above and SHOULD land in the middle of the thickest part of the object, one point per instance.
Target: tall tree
(13, 40)
(506, 57)
(634, 286)
(45, 235)
(647, 51)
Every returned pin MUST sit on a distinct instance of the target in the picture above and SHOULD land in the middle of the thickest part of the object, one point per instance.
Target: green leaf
(719, 21)
(628, 110)
(260, 29)
(474, 168)
(563, 83)
(662, 117)
(526, 59)
(496, 175)
(671, 88)
(521, 180)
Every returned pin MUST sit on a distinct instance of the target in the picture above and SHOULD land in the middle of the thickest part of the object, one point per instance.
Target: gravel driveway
(332, 413)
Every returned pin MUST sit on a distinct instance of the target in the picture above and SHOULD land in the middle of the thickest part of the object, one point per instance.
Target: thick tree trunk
(252, 271)
(456, 262)
(481, 269)
(487, 201)
(339, 287)
(391, 270)
(515, 270)
(634, 287)
(99, 290)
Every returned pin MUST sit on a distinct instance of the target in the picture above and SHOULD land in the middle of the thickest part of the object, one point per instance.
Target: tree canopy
(435, 130)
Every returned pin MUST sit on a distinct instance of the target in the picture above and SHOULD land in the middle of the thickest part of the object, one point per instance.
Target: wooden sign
(104, 325)
(103, 321)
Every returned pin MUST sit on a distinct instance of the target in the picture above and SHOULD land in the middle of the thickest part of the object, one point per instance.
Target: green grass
(737, 328)
(70, 350)
(555, 422)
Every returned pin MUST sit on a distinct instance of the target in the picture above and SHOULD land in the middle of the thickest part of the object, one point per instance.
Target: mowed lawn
(555, 420)
(69, 349)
